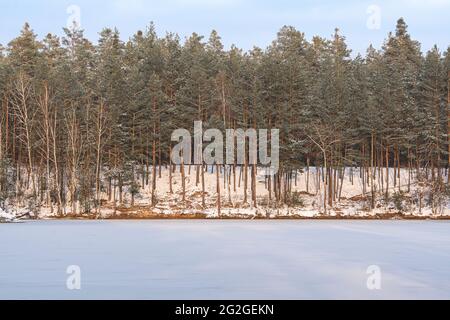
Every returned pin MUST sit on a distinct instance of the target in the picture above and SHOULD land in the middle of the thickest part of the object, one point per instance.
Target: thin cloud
(428, 3)
(138, 6)
(130, 5)
(208, 3)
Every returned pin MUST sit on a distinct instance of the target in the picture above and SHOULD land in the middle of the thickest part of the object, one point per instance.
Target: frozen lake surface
(225, 259)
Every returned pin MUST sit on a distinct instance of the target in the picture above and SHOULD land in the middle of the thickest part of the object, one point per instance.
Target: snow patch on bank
(6, 216)
(352, 199)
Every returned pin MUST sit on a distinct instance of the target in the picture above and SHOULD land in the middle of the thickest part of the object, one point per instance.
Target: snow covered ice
(225, 259)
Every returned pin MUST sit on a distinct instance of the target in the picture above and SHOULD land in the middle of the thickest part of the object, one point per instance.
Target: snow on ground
(225, 259)
(353, 204)
(6, 216)
(313, 199)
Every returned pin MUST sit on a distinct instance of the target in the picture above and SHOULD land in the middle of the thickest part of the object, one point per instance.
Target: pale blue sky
(241, 22)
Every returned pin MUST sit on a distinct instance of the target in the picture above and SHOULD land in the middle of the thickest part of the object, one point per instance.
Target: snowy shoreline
(378, 217)
(404, 202)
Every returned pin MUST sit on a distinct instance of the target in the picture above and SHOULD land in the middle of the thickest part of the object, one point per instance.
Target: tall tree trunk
(183, 179)
(170, 171)
(372, 164)
(154, 164)
(203, 187)
(99, 142)
(219, 200)
(387, 171)
(448, 124)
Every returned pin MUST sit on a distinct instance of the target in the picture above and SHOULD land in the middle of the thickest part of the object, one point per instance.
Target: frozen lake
(225, 259)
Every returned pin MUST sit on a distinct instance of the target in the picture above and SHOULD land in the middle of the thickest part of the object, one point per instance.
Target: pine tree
(81, 120)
